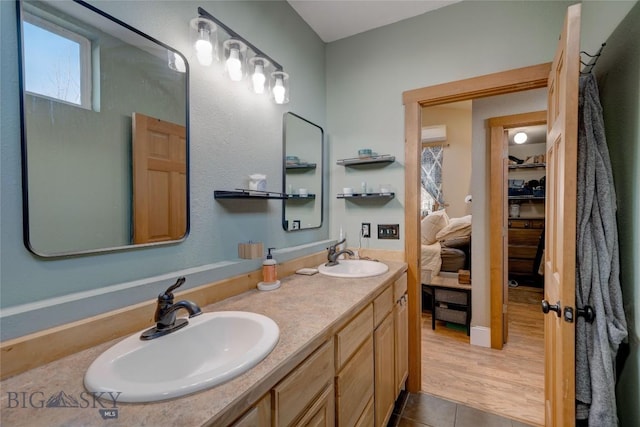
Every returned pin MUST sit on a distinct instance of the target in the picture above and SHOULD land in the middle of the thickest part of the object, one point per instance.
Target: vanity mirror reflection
(104, 111)
(303, 143)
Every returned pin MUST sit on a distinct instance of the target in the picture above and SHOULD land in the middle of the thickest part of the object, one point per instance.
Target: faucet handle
(169, 291)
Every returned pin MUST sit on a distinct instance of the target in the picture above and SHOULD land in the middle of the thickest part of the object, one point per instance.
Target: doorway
(517, 248)
(517, 80)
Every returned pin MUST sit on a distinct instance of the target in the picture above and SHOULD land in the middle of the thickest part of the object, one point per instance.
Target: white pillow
(432, 224)
(457, 227)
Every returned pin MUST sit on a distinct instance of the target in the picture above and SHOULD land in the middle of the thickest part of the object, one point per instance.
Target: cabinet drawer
(382, 306)
(523, 252)
(451, 296)
(528, 237)
(298, 390)
(524, 266)
(399, 288)
(526, 223)
(451, 315)
(354, 385)
(351, 336)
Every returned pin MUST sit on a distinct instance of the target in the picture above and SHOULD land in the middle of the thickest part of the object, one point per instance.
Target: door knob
(546, 307)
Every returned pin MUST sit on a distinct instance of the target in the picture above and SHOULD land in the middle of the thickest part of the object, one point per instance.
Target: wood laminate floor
(507, 382)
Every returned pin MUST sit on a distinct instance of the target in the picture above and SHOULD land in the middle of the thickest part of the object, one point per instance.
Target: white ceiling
(336, 19)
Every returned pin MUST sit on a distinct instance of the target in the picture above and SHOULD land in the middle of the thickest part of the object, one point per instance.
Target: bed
(445, 244)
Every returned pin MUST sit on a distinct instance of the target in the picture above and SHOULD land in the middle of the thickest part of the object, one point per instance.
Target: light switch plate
(389, 231)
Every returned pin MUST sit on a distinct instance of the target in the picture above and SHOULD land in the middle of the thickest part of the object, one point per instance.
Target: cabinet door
(384, 368)
(354, 385)
(401, 321)
(299, 389)
(258, 416)
(322, 413)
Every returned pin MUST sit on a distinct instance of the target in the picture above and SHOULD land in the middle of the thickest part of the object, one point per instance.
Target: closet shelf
(526, 197)
(528, 166)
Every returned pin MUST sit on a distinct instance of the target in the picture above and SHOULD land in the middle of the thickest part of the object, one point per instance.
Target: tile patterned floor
(425, 410)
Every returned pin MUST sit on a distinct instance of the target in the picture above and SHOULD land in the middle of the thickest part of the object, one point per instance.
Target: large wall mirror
(104, 132)
(303, 154)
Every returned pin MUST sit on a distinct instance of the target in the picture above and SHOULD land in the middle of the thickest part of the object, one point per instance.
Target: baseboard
(481, 336)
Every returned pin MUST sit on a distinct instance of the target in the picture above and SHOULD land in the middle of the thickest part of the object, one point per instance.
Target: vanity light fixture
(206, 41)
(520, 138)
(264, 72)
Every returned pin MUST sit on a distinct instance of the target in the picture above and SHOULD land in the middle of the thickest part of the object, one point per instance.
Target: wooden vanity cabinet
(352, 380)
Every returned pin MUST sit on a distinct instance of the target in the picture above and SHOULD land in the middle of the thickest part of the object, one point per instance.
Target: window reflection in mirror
(104, 133)
(303, 155)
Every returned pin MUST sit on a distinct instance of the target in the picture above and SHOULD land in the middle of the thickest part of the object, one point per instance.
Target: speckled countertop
(307, 309)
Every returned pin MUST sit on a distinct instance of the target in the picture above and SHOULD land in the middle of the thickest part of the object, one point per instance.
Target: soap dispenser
(269, 274)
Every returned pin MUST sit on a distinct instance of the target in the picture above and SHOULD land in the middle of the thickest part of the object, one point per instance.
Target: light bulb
(520, 138)
(234, 66)
(204, 51)
(258, 79)
(278, 91)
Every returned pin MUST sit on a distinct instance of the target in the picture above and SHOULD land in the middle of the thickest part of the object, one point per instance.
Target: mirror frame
(284, 171)
(23, 142)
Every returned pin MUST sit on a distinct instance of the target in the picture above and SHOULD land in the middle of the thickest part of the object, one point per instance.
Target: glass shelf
(367, 196)
(247, 194)
(384, 158)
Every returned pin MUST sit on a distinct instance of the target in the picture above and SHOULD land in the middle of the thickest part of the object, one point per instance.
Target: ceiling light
(520, 138)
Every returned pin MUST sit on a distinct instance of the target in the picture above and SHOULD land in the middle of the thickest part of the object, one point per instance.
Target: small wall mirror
(104, 132)
(303, 153)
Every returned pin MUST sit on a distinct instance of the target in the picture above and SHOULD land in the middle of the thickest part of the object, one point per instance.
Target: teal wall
(618, 74)
(233, 134)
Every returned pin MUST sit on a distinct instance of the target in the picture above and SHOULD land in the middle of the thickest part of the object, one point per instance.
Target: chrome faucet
(334, 253)
(165, 316)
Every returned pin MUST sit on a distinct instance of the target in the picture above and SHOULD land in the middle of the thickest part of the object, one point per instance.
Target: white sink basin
(211, 349)
(354, 268)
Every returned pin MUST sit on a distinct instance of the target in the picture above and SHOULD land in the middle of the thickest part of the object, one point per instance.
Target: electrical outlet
(365, 230)
(389, 231)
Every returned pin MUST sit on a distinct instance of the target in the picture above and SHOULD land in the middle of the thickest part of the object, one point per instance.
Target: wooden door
(560, 238)
(159, 180)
